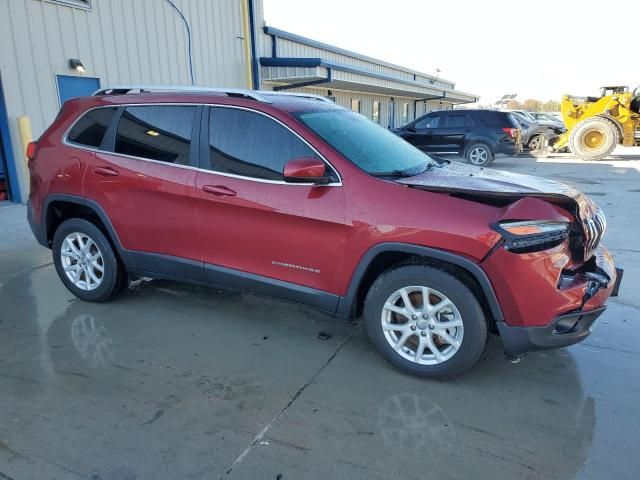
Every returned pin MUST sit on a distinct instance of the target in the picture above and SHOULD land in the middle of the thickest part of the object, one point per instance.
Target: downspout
(425, 100)
(254, 53)
(274, 45)
(190, 53)
(392, 104)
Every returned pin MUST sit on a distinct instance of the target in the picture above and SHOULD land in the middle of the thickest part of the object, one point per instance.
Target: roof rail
(231, 92)
(296, 94)
(259, 95)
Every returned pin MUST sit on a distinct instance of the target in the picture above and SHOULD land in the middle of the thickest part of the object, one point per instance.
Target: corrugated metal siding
(362, 79)
(118, 41)
(343, 98)
(287, 73)
(289, 48)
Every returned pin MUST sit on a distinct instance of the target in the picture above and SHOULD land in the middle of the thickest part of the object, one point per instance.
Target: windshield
(524, 121)
(372, 148)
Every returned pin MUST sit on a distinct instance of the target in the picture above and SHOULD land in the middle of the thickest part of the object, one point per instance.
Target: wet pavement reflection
(173, 380)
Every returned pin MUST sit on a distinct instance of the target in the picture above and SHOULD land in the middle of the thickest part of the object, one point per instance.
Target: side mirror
(410, 128)
(305, 170)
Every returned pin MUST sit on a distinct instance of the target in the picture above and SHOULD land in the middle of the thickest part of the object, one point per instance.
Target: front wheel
(594, 138)
(479, 154)
(425, 321)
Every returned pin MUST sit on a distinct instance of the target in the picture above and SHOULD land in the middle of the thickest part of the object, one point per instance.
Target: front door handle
(219, 190)
(106, 171)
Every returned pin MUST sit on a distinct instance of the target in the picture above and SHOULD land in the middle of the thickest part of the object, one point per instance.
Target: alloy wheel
(82, 261)
(479, 156)
(535, 143)
(422, 325)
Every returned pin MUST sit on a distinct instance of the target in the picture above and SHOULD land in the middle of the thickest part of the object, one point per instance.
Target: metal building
(386, 93)
(53, 50)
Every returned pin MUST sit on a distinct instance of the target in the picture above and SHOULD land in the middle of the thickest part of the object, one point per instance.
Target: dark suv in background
(478, 135)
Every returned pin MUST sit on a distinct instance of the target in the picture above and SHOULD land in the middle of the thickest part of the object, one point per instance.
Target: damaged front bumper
(563, 331)
(583, 294)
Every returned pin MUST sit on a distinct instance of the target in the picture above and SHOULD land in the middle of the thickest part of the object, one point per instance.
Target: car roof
(261, 99)
(470, 110)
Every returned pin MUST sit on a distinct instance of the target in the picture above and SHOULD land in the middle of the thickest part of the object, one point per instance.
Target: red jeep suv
(293, 197)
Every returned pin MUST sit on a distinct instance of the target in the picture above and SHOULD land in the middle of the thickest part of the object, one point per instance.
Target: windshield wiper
(408, 172)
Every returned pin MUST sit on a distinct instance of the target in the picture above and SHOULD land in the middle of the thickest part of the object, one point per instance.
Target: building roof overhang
(287, 73)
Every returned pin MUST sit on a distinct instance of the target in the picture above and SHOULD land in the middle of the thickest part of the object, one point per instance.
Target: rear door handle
(219, 190)
(106, 171)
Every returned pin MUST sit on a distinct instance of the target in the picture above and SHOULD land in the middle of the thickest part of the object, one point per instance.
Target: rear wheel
(536, 142)
(425, 321)
(479, 154)
(594, 138)
(86, 262)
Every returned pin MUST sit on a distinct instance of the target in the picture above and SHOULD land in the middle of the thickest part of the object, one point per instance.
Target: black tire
(114, 277)
(473, 319)
(536, 142)
(479, 154)
(594, 138)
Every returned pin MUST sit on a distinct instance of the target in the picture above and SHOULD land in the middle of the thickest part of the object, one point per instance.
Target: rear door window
(457, 121)
(496, 119)
(156, 132)
(90, 129)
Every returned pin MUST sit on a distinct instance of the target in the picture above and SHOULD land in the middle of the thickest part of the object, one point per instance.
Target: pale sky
(540, 48)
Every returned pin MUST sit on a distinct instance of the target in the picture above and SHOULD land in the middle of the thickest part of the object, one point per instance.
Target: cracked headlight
(532, 235)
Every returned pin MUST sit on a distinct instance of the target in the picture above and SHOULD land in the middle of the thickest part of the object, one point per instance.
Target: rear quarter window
(497, 119)
(90, 129)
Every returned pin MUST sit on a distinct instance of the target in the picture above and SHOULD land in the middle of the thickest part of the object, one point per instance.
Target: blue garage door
(72, 87)
(3, 128)
(2, 160)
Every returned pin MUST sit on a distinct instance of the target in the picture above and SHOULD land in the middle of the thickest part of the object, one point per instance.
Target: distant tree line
(530, 104)
(533, 105)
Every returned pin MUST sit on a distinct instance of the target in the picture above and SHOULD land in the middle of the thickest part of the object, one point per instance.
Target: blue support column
(11, 171)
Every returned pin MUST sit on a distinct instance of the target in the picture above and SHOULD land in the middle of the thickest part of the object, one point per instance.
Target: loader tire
(594, 138)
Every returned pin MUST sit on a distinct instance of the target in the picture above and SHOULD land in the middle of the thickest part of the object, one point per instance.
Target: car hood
(485, 183)
(505, 188)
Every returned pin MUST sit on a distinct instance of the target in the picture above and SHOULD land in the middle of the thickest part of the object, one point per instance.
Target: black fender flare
(347, 304)
(95, 207)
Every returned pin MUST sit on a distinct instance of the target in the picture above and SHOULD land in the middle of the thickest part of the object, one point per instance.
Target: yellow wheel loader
(596, 125)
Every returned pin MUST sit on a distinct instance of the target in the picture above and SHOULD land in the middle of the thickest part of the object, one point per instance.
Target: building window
(86, 4)
(405, 113)
(355, 105)
(376, 111)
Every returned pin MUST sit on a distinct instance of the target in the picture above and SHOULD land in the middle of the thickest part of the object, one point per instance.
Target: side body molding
(164, 266)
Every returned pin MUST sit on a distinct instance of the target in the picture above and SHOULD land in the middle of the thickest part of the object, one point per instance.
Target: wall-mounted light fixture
(76, 65)
(434, 80)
